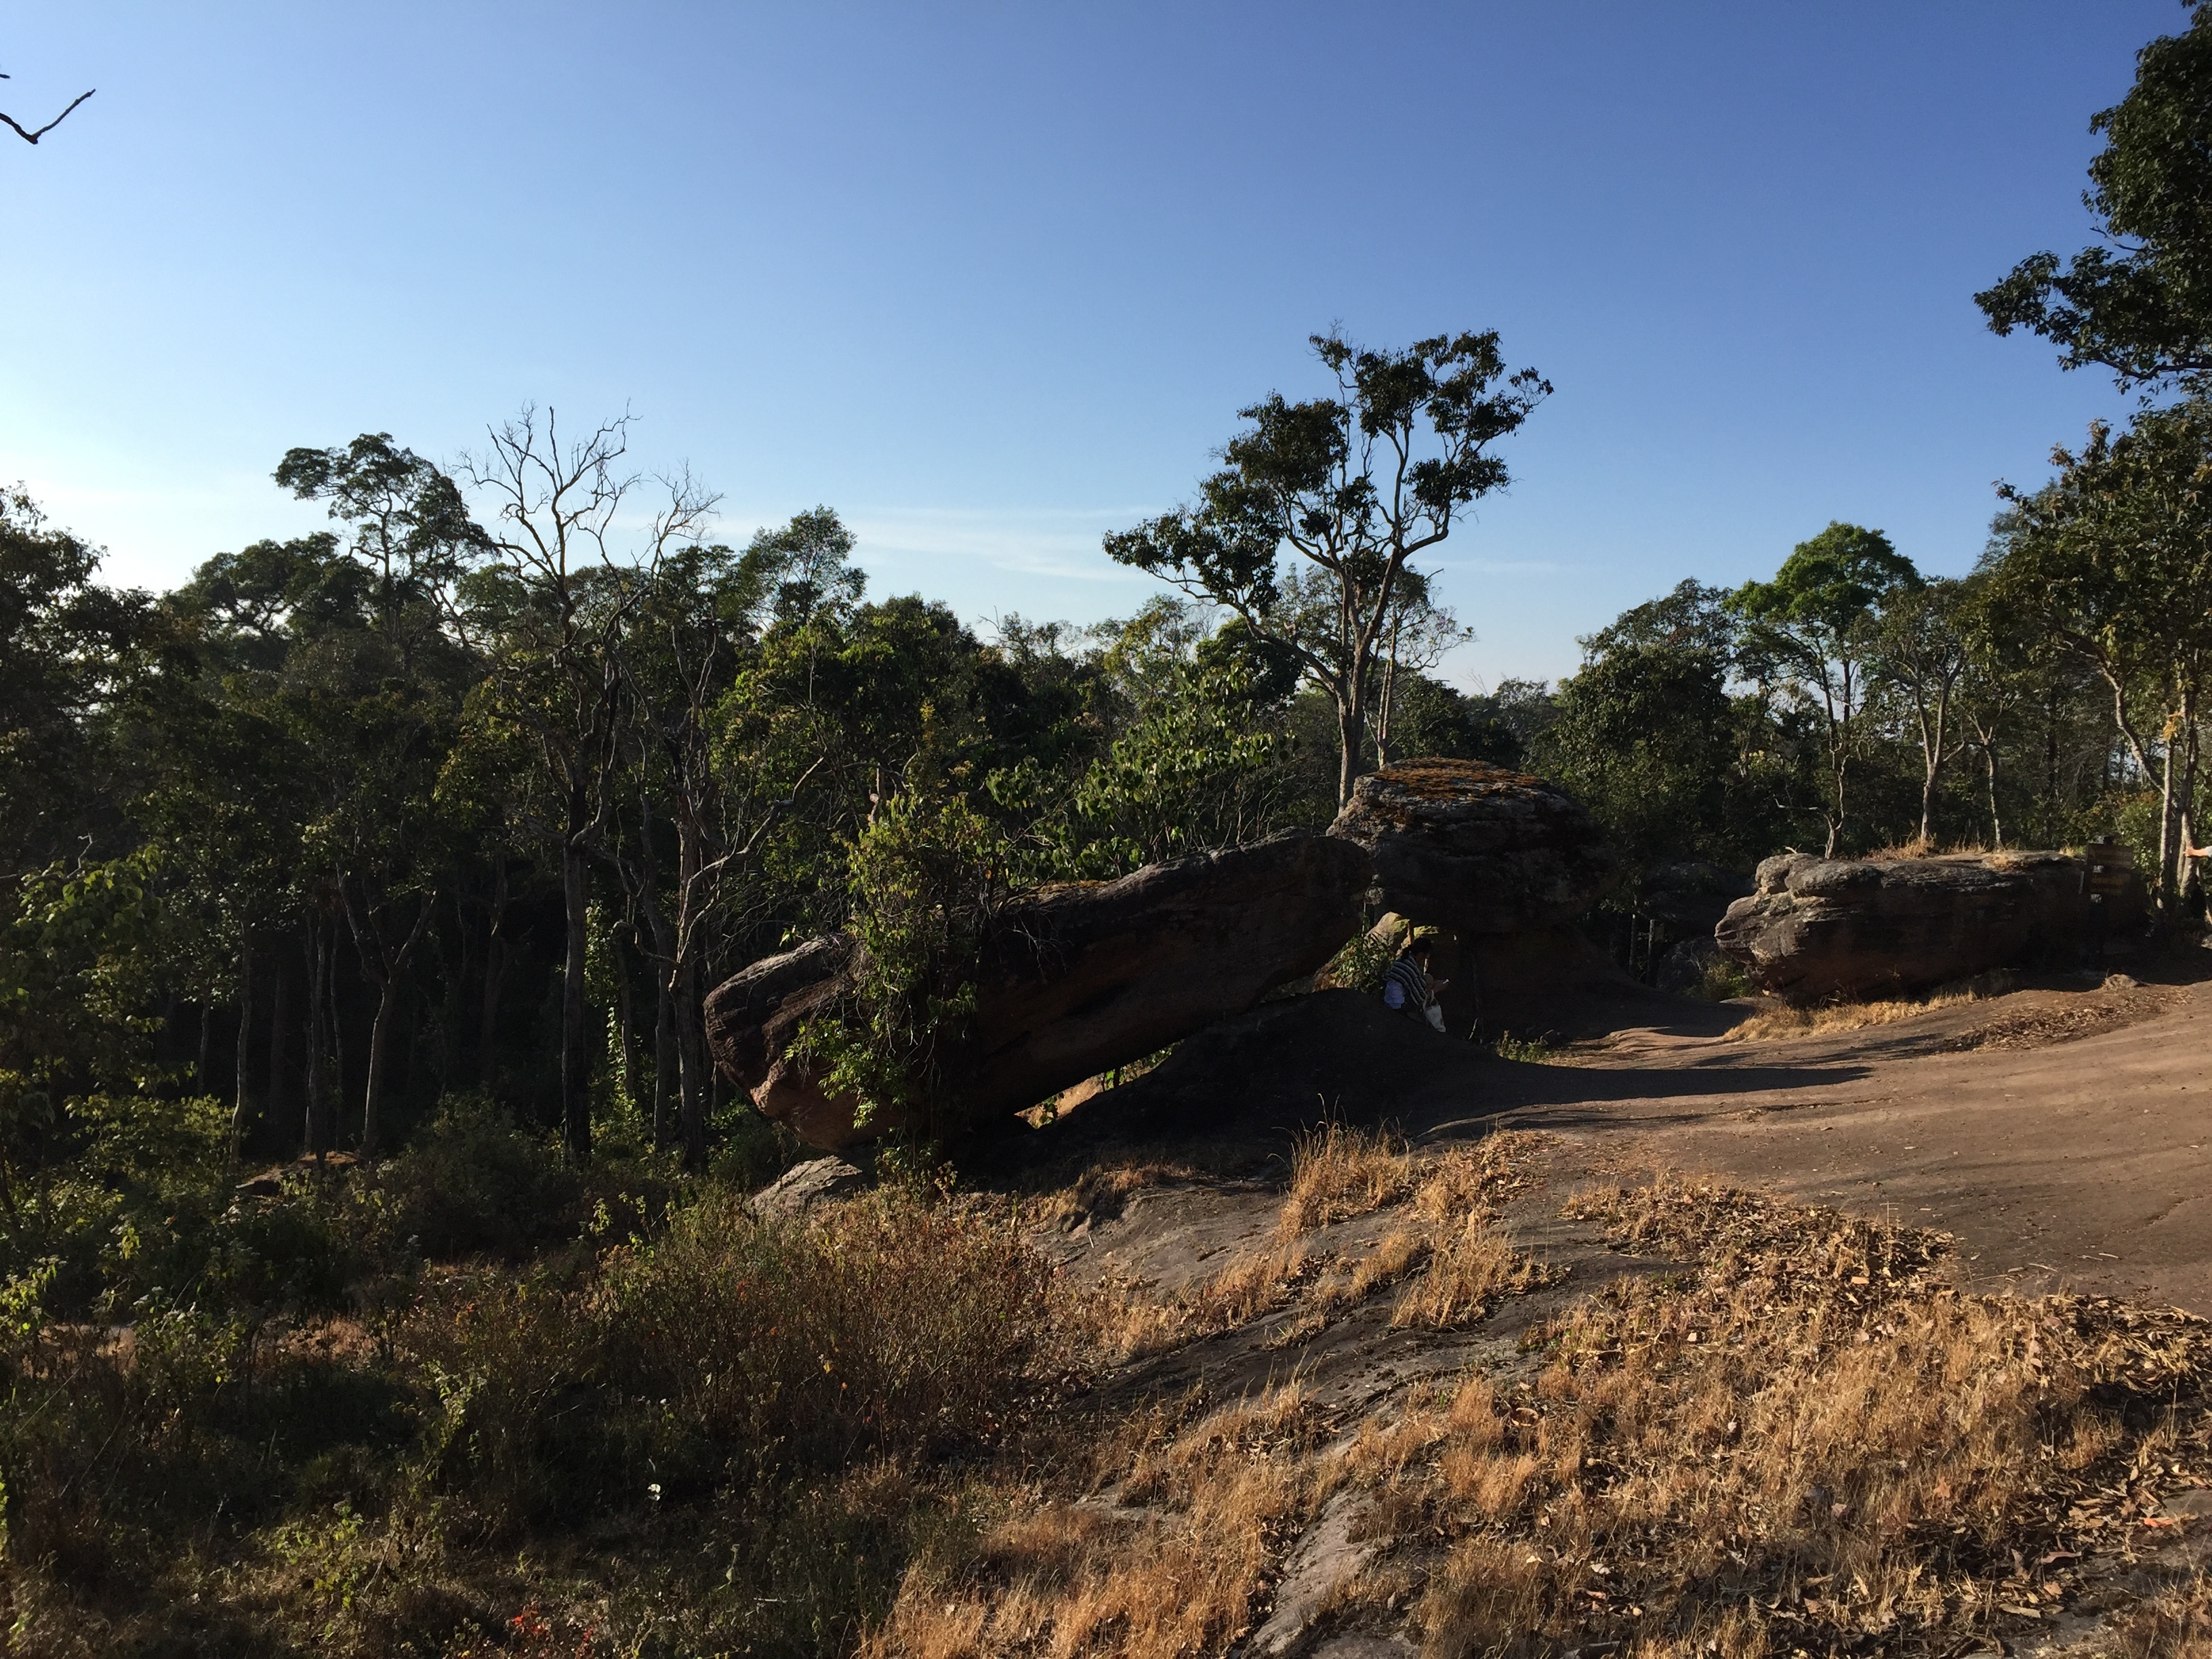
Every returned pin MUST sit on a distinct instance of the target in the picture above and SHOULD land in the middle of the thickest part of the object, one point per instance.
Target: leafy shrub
(1361, 966)
(732, 1346)
(925, 877)
(472, 1181)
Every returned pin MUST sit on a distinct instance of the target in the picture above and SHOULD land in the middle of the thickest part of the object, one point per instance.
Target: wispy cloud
(1057, 542)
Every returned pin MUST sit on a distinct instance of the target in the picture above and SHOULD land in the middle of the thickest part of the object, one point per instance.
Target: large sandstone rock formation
(1822, 929)
(1502, 863)
(1476, 849)
(1073, 979)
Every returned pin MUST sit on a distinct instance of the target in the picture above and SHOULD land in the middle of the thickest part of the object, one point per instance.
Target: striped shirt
(1405, 986)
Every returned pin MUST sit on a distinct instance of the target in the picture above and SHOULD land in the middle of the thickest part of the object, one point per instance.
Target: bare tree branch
(30, 138)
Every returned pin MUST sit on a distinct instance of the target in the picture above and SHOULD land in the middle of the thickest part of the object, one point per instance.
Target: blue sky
(991, 280)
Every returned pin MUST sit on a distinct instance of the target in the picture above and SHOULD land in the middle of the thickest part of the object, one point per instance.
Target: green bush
(472, 1181)
(732, 1347)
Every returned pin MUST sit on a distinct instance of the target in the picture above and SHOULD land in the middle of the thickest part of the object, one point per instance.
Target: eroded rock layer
(1477, 848)
(1073, 980)
(1820, 930)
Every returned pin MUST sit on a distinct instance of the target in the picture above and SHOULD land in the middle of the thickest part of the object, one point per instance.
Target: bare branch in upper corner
(30, 138)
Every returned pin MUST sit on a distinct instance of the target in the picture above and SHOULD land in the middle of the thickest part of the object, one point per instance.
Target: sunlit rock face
(1820, 930)
(1071, 981)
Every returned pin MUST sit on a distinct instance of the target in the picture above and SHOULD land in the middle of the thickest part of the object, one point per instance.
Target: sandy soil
(2065, 1137)
(2062, 1132)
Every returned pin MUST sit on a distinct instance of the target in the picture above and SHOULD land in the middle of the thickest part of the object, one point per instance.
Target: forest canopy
(360, 895)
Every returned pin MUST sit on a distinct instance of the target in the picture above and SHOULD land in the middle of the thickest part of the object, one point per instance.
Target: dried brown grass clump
(2174, 1623)
(1466, 1273)
(1339, 1172)
(1782, 1022)
(1804, 1441)
(1178, 1565)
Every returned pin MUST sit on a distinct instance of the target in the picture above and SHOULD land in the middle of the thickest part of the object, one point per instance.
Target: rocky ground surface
(2059, 1134)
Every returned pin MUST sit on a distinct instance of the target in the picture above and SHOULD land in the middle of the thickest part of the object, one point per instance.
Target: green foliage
(926, 878)
(78, 960)
(2141, 303)
(67, 647)
(1306, 531)
(472, 1181)
(706, 1390)
(1433, 718)
(1645, 735)
(1360, 966)
(1203, 768)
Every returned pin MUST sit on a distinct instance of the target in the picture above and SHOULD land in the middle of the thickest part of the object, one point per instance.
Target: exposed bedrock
(1073, 980)
(1821, 929)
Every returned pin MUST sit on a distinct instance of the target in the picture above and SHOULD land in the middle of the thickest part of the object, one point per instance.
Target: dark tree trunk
(693, 1058)
(665, 1067)
(495, 961)
(337, 1091)
(633, 1064)
(241, 1111)
(276, 1100)
(575, 1062)
(313, 1141)
(380, 1045)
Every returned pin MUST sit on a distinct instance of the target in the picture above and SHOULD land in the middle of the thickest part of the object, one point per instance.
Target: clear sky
(990, 280)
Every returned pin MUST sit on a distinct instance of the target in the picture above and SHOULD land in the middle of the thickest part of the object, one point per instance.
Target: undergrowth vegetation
(589, 1414)
(674, 1424)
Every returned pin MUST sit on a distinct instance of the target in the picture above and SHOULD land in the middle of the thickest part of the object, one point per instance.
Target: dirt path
(2063, 1161)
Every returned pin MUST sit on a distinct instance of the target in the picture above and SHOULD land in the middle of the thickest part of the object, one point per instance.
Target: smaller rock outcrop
(1073, 980)
(1822, 929)
(803, 1186)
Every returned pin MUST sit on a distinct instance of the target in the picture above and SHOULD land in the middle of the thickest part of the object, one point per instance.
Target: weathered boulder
(1471, 847)
(1073, 980)
(1499, 862)
(1819, 929)
(803, 1186)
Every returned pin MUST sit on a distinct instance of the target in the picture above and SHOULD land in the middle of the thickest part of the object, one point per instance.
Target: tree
(2113, 558)
(67, 648)
(1417, 632)
(1645, 734)
(1353, 485)
(412, 532)
(2143, 306)
(32, 135)
(561, 595)
(1816, 622)
(1998, 678)
(1921, 655)
(679, 663)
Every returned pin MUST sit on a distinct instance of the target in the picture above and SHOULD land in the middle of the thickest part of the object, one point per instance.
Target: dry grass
(1337, 1173)
(1807, 1443)
(1176, 1528)
(1921, 846)
(1178, 1565)
(1801, 1439)
(1340, 1173)
(1776, 1022)
(1468, 1270)
(2174, 1623)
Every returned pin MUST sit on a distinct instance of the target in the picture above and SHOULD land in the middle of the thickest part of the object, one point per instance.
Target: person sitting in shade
(1406, 987)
